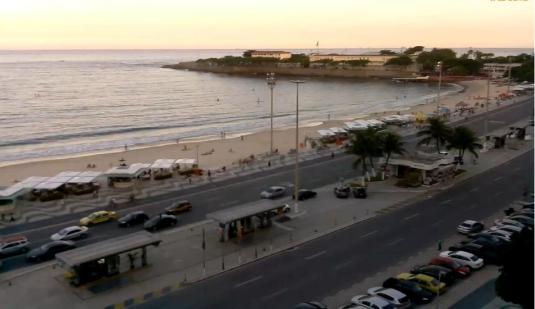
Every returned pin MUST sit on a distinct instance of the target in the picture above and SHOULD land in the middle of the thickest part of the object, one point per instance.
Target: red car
(459, 270)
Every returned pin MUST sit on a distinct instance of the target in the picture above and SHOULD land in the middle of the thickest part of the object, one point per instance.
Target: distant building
(278, 54)
(374, 59)
(498, 70)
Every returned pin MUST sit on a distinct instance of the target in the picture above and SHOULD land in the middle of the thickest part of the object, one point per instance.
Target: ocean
(62, 103)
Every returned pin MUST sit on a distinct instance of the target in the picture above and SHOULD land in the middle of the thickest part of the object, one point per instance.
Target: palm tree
(436, 130)
(464, 139)
(391, 143)
(366, 145)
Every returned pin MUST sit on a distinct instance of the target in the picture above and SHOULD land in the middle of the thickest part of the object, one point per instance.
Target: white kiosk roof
(124, 171)
(338, 130)
(325, 133)
(186, 161)
(163, 164)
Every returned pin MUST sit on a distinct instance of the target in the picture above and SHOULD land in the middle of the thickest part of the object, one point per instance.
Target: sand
(226, 152)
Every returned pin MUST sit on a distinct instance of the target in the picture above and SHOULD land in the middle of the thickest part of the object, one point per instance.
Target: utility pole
(296, 181)
(487, 103)
(509, 76)
(439, 68)
(271, 83)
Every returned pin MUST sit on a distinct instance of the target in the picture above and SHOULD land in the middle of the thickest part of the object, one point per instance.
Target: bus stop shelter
(240, 220)
(102, 259)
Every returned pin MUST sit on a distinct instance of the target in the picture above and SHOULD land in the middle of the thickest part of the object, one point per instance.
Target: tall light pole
(487, 103)
(509, 76)
(438, 67)
(296, 181)
(271, 83)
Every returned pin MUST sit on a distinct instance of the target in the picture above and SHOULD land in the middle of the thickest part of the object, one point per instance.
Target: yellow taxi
(98, 217)
(426, 282)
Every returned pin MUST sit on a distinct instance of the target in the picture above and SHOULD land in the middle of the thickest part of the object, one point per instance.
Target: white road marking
(315, 255)
(342, 265)
(474, 189)
(497, 179)
(411, 216)
(248, 281)
(394, 242)
(369, 234)
(276, 293)
(445, 202)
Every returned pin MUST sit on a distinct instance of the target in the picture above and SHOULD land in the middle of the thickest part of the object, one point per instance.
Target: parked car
(508, 228)
(440, 273)
(412, 289)
(353, 306)
(342, 191)
(459, 270)
(273, 192)
(178, 207)
(507, 221)
(282, 209)
(525, 204)
(470, 226)
(501, 235)
(393, 296)
(375, 302)
(311, 305)
(426, 282)
(305, 194)
(133, 218)
(360, 192)
(71, 232)
(527, 221)
(12, 245)
(49, 250)
(98, 217)
(464, 258)
(160, 221)
(489, 253)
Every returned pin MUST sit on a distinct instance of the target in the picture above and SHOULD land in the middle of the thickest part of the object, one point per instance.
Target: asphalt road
(232, 192)
(324, 266)
(479, 298)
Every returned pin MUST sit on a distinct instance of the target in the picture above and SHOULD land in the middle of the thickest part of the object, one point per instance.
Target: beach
(219, 152)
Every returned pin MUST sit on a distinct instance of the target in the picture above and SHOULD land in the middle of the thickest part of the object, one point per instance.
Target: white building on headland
(498, 70)
(374, 59)
(278, 54)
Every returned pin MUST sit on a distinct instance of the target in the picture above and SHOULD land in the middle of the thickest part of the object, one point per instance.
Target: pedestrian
(125, 147)
(241, 137)
(209, 173)
(189, 180)
(269, 163)
(332, 155)
(12, 219)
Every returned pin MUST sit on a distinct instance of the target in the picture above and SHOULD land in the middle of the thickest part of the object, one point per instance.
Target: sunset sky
(115, 24)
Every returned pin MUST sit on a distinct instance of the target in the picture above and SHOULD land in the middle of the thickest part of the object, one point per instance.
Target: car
(71, 232)
(353, 306)
(460, 271)
(440, 273)
(273, 192)
(12, 245)
(525, 204)
(133, 218)
(470, 226)
(342, 191)
(412, 289)
(305, 194)
(160, 221)
(485, 250)
(360, 192)
(98, 217)
(527, 221)
(282, 209)
(311, 305)
(464, 258)
(178, 207)
(393, 296)
(497, 236)
(508, 228)
(374, 302)
(49, 250)
(426, 282)
(524, 212)
(507, 221)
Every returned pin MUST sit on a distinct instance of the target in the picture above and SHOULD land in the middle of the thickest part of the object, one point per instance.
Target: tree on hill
(515, 283)
(429, 59)
(524, 72)
(387, 52)
(436, 130)
(465, 66)
(462, 139)
(403, 60)
(412, 50)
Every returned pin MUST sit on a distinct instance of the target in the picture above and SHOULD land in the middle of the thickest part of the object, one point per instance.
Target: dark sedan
(305, 194)
(48, 251)
(342, 192)
(412, 289)
(459, 270)
(133, 218)
(440, 273)
(160, 221)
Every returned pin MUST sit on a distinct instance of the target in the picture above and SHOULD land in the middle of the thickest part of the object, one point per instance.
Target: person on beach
(125, 147)
(241, 137)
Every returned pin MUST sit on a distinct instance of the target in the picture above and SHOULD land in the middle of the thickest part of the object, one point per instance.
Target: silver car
(273, 192)
(394, 297)
(372, 302)
(13, 245)
(71, 232)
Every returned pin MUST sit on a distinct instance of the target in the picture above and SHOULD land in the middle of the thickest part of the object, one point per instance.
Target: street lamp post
(509, 76)
(487, 103)
(271, 83)
(296, 181)
(439, 69)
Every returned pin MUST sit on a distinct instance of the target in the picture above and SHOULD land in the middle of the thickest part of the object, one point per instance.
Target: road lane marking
(394, 242)
(411, 216)
(497, 179)
(474, 189)
(248, 281)
(315, 255)
(276, 293)
(445, 202)
(369, 234)
(342, 265)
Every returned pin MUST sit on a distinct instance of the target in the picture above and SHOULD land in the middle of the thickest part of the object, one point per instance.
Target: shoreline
(227, 150)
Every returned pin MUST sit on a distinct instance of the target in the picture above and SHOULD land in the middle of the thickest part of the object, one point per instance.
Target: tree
(391, 143)
(401, 60)
(366, 145)
(462, 139)
(430, 59)
(387, 52)
(436, 130)
(524, 72)
(515, 283)
(412, 50)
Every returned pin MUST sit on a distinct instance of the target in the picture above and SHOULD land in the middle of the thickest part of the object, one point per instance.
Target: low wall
(355, 72)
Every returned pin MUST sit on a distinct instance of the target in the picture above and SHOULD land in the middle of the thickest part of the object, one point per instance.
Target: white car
(507, 221)
(374, 302)
(71, 232)
(507, 228)
(393, 296)
(470, 226)
(464, 258)
(273, 192)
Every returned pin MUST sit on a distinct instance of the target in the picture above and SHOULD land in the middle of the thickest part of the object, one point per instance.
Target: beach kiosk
(188, 167)
(163, 168)
(103, 259)
(83, 182)
(125, 176)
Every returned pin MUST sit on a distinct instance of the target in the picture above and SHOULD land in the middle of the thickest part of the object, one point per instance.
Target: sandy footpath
(225, 151)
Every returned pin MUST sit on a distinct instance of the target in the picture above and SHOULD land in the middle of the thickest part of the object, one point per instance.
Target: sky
(170, 24)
